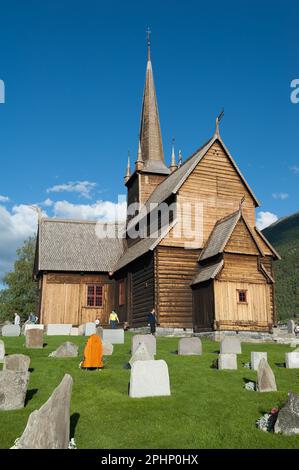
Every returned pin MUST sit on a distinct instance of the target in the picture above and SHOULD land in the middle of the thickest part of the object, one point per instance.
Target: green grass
(207, 408)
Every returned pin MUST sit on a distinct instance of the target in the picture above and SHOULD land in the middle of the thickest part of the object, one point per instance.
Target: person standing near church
(151, 320)
(17, 319)
(113, 319)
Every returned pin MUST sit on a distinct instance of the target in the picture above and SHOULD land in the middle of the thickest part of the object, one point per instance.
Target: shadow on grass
(30, 394)
(45, 345)
(281, 365)
(31, 369)
(73, 423)
(246, 381)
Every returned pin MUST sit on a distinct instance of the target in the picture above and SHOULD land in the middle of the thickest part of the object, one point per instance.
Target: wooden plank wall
(64, 298)
(148, 184)
(241, 241)
(175, 269)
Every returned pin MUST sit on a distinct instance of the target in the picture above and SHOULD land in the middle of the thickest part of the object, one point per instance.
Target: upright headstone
(74, 331)
(59, 329)
(256, 357)
(81, 329)
(67, 349)
(230, 345)
(33, 326)
(149, 379)
(114, 336)
(292, 360)
(107, 348)
(2, 351)
(16, 362)
(265, 378)
(34, 338)
(11, 330)
(49, 427)
(227, 361)
(90, 329)
(190, 347)
(288, 417)
(148, 340)
(141, 354)
(13, 389)
(291, 327)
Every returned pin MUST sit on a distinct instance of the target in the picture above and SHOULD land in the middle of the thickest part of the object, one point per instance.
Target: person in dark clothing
(151, 320)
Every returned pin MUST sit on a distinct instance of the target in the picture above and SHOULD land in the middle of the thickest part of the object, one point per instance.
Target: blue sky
(74, 74)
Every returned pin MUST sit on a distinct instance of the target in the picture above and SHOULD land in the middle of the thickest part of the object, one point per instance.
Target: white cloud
(264, 219)
(4, 198)
(100, 210)
(48, 202)
(281, 196)
(294, 169)
(83, 188)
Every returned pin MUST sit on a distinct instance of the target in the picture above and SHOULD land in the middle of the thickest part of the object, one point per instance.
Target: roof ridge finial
(128, 172)
(173, 165)
(218, 119)
(241, 204)
(180, 159)
(148, 40)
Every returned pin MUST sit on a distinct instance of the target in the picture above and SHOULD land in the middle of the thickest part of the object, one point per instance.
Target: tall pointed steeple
(128, 171)
(173, 165)
(150, 131)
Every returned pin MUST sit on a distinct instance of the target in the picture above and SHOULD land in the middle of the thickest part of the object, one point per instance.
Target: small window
(94, 295)
(121, 293)
(242, 296)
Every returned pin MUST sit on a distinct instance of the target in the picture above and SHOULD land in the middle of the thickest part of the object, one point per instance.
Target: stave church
(204, 267)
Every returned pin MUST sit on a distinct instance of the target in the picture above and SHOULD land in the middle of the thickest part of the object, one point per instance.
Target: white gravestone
(74, 331)
(230, 345)
(11, 330)
(33, 326)
(148, 340)
(292, 360)
(59, 329)
(90, 329)
(149, 379)
(190, 347)
(114, 336)
(227, 362)
(256, 357)
(141, 354)
(2, 351)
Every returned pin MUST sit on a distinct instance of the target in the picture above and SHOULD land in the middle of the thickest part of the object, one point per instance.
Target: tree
(21, 293)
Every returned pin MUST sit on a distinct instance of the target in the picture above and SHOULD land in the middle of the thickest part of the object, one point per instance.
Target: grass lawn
(207, 409)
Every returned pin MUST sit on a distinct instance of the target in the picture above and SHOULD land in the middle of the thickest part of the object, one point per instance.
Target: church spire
(173, 165)
(128, 172)
(150, 132)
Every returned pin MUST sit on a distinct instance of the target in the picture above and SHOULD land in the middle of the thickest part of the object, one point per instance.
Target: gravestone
(288, 417)
(114, 336)
(292, 360)
(13, 389)
(74, 331)
(149, 379)
(67, 349)
(107, 348)
(16, 362)
(265, 378)
(11, 330)
(141, 354)
(59, 329)
(33, 326)
(34, 338)
(81, 329)
(230, 345)
(90, 329)
(291, 327)
(49, 427)
(149, 341)
(256, 357)
(190, 347)
(2, 351)
(227, 361)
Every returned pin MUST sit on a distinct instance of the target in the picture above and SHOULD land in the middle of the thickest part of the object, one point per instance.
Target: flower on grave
(72, 444)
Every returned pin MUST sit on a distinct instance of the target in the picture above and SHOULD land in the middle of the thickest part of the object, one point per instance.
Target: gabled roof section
(207, 272)
(271, 248)
(72, 245)
(173, 183)
(221, 234)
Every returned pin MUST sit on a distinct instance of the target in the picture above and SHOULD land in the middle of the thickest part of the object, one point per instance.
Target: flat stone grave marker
(74, 331)
(13, 389)
(149, 379)
(2, 351)
(230, 345)
(292, 360)
(265, 378)
(59, 329)
(149, 341)
(67, 349)
(287, 421)
(49, 427)
(11, 330)
(90, 329)
(227, 361)
(114, 336)
(16, 362)
(34, 338)
(190, 347)
(141, 354)
(256, 357)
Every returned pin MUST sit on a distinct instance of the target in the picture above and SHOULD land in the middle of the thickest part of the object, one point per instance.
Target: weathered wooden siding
(203, 307)
(64, 298)
(242, 268)
(148, 184)
(175, 269)
(216, 184)
(142, 287)
(241, 241)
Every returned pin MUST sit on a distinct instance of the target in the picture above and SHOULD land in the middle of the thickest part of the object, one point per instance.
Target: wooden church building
(221, 279)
